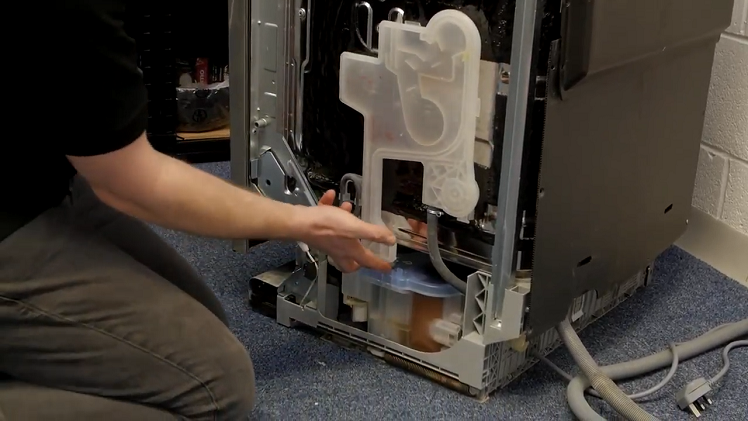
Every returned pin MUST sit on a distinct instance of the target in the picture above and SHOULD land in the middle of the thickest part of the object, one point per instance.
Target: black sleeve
(106, 108)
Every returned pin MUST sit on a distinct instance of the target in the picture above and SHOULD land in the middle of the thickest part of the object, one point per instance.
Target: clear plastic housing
(419, 99)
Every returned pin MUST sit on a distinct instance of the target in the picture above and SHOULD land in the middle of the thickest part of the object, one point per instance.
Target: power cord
(694, 395)
(726, 360)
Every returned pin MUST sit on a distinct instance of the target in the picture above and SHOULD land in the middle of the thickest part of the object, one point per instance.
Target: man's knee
(232, 384)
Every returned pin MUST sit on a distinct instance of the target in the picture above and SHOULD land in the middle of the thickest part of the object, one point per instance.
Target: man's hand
(337, 233)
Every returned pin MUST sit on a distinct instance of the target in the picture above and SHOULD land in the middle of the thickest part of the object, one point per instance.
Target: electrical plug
(694, 396)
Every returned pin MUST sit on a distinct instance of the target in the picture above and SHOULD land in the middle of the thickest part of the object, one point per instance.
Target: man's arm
(106, 122)
(144, 183)
(149, 185)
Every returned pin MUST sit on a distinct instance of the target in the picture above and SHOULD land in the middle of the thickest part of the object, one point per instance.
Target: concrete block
(726, 120)
(735, 207)
(710, 179)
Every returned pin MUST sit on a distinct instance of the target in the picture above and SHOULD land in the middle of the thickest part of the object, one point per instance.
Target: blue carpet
(302, 377)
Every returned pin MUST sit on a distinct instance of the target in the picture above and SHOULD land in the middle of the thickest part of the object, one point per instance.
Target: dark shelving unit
(165, 31)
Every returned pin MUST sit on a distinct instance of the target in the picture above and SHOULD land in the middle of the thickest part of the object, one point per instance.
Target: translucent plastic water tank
(409, 303)
(412, 272)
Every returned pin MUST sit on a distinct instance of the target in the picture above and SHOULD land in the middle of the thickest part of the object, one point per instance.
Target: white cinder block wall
(722, 179)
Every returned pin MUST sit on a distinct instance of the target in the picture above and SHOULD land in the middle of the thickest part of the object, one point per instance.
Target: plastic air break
(419, 99)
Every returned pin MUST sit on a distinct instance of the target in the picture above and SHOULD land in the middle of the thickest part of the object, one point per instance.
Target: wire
(668, 378)
(726, 359)
(311, 284)
(560, 371)
(621, 371)
(639, 395)
(310, 258)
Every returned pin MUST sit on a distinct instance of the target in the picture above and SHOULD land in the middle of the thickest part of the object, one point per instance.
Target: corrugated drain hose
(607, 389)
(432, 239)
(621, 371)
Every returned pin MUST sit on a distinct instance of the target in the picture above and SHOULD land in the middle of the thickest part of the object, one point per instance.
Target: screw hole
(290, 183)
(669, 208)
(584, 261)
(267, 182)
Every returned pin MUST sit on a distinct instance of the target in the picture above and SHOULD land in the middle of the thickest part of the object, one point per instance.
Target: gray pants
(101, 320)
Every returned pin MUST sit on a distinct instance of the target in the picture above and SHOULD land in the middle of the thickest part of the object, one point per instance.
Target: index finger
(327, 199)
(365, 258)
(376, 233)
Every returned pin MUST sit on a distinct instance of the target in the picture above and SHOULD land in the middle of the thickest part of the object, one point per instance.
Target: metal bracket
(275, 183)
(511, 162)
(253, 163)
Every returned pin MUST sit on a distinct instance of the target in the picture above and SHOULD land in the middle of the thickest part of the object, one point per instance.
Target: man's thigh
(140, 242)
(79, 314)
(26, 402)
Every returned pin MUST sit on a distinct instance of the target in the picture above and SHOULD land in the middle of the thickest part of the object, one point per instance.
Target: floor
(302, 377)
(717, 243)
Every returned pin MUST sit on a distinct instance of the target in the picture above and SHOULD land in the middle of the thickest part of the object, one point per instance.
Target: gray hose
(629, 369)
(638, 395)
(432, 240)
(357, 181)
(607, 389)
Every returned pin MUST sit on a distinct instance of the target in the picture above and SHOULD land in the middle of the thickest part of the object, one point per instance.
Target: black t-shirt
(73, 87)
